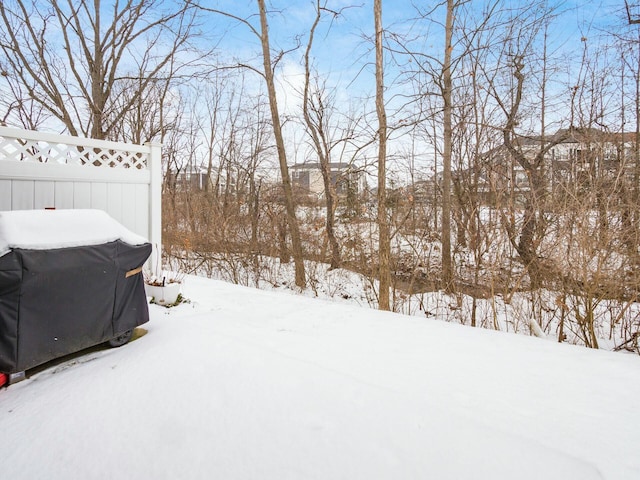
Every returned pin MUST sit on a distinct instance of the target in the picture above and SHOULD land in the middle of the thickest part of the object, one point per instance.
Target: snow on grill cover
(69, 279)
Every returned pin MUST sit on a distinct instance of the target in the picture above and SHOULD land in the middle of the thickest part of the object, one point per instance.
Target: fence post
(155, 204)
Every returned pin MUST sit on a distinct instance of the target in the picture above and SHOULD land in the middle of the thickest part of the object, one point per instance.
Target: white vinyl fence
(41, 170)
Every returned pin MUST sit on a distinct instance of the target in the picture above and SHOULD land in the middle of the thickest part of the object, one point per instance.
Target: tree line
(500, 156)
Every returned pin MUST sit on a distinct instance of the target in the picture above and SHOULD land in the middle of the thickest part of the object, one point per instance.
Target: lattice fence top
(16, 146)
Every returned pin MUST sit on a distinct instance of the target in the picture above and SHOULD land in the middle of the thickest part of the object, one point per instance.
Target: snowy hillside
(248, 384)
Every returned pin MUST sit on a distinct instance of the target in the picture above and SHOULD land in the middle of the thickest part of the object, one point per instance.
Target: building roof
(578, 135)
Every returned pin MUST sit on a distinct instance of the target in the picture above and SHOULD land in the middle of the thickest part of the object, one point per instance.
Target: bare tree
(314, 113)
(76, 74)
(384, 239)
(439, 114)
(533, 224)
(267, 72)
(627, 42)
(296, 243)
(525, 64)
(447, 261)
(329, 138)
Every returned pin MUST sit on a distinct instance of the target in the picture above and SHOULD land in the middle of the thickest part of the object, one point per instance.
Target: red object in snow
(3, 379)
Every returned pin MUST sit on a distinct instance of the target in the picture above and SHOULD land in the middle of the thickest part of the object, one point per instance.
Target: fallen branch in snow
(634, 338)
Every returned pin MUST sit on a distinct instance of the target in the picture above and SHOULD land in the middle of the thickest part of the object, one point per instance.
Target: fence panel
(41, 170)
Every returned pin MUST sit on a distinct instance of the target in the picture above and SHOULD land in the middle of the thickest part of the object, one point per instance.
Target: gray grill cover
(59, 301)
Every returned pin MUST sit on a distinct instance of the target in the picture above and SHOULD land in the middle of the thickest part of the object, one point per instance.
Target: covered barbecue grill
(69, 279)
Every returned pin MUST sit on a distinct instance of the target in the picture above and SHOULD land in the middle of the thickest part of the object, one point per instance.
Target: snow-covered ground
(249, 384)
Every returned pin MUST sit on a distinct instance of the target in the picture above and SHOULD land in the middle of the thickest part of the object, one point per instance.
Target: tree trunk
(296, 243)
(532, 230)
(318, 135)
(330, 199)
(527, 244)
(384, 240)
(447, 264)
(97, 78)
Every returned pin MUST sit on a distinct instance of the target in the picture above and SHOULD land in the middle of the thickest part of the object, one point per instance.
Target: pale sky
(343, 50)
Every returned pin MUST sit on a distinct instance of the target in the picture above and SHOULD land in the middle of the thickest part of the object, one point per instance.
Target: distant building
(580, 158)
(195, 179)
(307, 178)
(582, 150)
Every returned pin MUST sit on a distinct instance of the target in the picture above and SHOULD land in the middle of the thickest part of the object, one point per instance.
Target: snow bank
(47, 229)
(247, 384)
